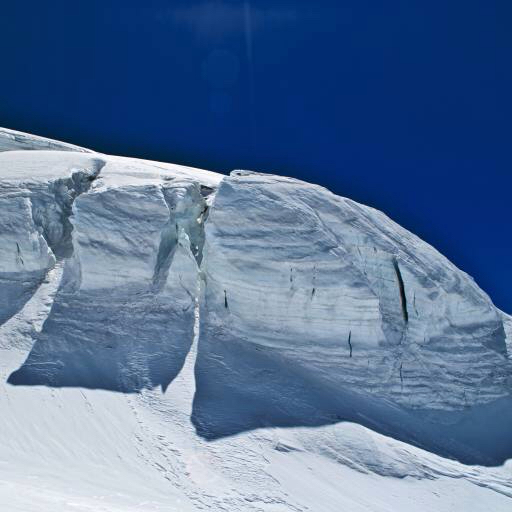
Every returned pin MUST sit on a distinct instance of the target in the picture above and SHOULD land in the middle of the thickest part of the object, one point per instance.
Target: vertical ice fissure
(53, 218)
(401, 290)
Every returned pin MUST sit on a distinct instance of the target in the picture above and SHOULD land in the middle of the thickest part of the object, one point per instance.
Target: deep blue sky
(403, 105)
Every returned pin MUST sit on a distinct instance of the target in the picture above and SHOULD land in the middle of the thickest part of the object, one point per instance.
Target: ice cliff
(309, 308)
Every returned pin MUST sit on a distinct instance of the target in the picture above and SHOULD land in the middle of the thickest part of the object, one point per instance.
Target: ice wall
(124, 314)
(342, 298)
(308, 301)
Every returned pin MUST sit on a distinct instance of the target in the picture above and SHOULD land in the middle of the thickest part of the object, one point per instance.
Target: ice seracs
(203, 333)
(318, 310)
(37, 190)
(130, 278)
(347, 297)
(334, 290)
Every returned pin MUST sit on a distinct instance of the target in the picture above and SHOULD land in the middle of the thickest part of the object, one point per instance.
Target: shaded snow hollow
(300, 308)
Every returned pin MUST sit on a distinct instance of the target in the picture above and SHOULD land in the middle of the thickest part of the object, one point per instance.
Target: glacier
(178, 339)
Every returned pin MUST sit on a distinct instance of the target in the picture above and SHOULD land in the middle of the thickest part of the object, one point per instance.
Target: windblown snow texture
(301, 309)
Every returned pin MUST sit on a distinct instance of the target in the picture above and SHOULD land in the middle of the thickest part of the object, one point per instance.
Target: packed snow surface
(174, 339)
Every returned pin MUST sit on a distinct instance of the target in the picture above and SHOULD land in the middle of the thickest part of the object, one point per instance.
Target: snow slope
(174, 339)
(11, 140)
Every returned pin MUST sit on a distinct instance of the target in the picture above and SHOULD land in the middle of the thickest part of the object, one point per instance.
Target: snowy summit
(174, 339)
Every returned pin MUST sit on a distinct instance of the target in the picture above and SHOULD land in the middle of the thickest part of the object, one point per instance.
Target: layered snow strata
(321, 295)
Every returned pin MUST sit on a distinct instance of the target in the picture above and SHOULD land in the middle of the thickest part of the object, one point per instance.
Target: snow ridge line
(12, 140)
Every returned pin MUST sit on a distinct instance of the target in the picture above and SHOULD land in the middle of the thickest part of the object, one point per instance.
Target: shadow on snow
(127, 345)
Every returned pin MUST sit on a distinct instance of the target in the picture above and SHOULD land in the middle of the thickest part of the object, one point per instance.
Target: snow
(12, 140)
(178, 340)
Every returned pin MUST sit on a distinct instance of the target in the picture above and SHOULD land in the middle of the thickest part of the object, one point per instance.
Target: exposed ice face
(24, 255)
(36, 194)
(507, 325)
(308, 300)
(345, 298)
(127, 235)
(124, 315)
